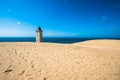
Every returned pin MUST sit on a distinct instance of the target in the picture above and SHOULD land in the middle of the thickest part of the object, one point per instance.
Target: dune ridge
(89, 60)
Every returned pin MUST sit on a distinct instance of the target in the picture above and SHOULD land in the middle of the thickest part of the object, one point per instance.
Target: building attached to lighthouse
(39, 35)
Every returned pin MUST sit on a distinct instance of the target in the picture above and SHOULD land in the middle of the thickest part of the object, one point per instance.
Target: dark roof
(39, 28)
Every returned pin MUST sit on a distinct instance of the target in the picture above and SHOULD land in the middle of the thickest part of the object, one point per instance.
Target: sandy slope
(90, 60)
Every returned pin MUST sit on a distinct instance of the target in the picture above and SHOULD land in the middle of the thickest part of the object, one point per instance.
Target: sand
(89, 60)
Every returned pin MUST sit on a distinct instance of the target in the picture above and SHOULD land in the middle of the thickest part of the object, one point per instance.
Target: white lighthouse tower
(39, 35)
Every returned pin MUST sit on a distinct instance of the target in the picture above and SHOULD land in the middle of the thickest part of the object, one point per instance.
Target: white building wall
(38, 36)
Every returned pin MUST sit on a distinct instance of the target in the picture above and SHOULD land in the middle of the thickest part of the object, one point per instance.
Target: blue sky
(60, 18)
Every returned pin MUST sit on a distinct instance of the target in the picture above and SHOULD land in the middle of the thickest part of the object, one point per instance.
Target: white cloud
(8, 10)
(18, 23)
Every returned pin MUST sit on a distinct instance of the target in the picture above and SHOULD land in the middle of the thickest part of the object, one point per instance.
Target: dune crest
(89, 60)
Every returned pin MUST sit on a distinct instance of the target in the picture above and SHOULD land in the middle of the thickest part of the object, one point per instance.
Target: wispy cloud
(18, 23)
(102, 19)
(53, 33)
(9, 27)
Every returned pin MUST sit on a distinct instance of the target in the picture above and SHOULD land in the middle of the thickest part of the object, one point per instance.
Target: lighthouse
(39, 34)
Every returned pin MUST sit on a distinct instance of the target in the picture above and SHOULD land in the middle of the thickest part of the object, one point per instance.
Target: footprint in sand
(8, 71)
(44, 78)
(22, 72)
(15, 51)
(0, 63)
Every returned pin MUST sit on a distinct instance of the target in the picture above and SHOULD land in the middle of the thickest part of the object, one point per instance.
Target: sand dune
(90, 60)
